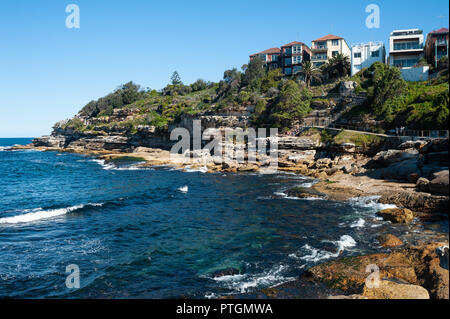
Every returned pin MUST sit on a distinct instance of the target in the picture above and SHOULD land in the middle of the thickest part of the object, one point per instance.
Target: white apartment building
(406, 47)
(405, 50)
(365, 54)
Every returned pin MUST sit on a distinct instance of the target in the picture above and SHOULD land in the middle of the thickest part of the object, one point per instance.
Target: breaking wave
(39, 214)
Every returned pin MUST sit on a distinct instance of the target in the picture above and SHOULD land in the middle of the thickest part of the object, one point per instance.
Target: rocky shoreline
(412, 175)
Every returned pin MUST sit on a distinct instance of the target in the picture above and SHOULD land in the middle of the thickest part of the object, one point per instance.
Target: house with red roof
(271, 57)
(293, 54)
(436, 46)
(289, 57)
(326, 47)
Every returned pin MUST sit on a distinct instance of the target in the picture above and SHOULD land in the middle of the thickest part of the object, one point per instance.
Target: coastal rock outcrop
(397, 215)
(415, 265)
(389, 240)
(391, 290)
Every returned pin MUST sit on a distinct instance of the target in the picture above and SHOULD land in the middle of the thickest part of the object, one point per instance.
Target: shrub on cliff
(291, 105)
(126, 94)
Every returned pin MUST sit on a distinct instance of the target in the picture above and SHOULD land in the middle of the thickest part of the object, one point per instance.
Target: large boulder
(390, 290)
(439, 184)
(397, 215)
(400, 170)
(386, 158)
(388, 240)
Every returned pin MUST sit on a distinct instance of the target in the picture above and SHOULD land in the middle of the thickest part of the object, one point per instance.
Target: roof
(328, 37)
(292, 43)
(441, 30)
(268, 51)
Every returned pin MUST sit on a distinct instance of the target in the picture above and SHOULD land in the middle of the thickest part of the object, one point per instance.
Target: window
(375, 54)
(407, 46)
(274, 57)
(357, 55)
(405, 63)
(288, 71)
(335, 42)
(297, 59)
(296, 49)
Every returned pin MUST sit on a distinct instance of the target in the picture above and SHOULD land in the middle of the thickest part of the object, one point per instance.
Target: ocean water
(160, 232)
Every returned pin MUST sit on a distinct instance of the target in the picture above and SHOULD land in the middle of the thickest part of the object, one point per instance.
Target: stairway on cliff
(324, 117)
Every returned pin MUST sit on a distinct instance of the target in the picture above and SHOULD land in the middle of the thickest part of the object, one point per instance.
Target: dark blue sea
(160, 232)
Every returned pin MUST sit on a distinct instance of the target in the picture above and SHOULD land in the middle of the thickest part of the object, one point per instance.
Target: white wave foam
(370, 202)
(112, 167)
(244, 283)
(4, 148)
(183, 189)
(39, 214)
(203, 169)
(358, 224)
(316, 255)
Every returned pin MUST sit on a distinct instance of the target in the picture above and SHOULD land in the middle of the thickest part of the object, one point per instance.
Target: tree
(271, 80)
(387, 84)
(310, 72)
(338, 66)
(175, 79)
(253, 74)
(292, 104)
(199, 85)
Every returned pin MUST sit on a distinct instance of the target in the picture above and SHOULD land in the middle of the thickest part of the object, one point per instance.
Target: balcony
(319, 57)
(441, 42)
(321, 47)
(407, 46)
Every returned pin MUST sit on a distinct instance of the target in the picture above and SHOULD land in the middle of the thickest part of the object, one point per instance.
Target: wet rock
(439, 184)
(388, 240)
(226, 272)
(391, 290)
(304, 192)
(397, 215)
(417, 201)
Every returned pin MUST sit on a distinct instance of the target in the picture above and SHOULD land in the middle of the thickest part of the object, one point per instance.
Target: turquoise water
(134, 234)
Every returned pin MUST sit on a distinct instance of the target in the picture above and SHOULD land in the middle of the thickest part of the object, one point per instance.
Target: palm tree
(310, 72)
(339, 65)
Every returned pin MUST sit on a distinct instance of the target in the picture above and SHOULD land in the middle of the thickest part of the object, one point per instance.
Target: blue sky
(48, 72)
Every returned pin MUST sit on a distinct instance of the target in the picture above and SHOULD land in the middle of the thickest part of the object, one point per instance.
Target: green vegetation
(274, 99)
(417, 105)
(359, 139)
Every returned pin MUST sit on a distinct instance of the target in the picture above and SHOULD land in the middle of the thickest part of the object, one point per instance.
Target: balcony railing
(320, 47)
(407, 46)
(441, 42)
(319, 57)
